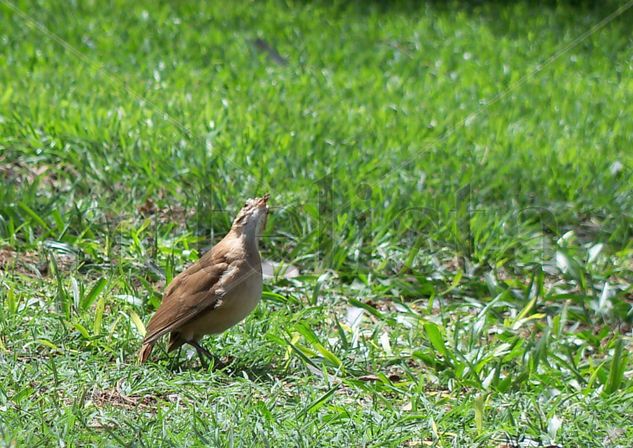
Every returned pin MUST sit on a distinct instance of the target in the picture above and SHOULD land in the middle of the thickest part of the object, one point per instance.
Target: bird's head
(251, 219)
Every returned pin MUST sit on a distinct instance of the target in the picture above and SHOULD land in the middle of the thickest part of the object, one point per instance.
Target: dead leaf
(369, 378)
(28, 262)
(274, 269)
(271, 52)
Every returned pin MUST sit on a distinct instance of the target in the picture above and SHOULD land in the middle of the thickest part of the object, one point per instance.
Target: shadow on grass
(501, 14)
(230, 366)
(455, 5)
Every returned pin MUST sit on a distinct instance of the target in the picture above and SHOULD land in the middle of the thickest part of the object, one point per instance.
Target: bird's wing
(195, 290)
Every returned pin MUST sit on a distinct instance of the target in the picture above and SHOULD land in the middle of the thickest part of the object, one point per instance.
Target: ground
(452, 181)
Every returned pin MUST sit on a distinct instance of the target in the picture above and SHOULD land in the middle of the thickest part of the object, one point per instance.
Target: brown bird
(217, 291)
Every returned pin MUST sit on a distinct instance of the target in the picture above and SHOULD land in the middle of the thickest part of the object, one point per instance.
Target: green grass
(463, 228)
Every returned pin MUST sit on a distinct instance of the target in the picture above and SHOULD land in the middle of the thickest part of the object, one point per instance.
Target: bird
(216, 292)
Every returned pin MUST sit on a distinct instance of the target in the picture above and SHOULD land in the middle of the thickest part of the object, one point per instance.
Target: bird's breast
(239, 299)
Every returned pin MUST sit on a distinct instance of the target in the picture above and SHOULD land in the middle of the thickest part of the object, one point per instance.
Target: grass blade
(90, 298)
(617, 368)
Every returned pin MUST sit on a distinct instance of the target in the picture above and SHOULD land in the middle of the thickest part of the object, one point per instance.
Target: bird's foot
(204, 353)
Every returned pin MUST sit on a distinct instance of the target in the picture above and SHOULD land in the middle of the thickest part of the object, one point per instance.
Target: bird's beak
(263, 200)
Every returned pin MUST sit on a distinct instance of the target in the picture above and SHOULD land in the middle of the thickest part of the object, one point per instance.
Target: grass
(463, 230)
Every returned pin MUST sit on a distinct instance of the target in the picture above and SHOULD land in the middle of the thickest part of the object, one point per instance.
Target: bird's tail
(146, 350)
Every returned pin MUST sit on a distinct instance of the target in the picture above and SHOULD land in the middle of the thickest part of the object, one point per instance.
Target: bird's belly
(236, 305)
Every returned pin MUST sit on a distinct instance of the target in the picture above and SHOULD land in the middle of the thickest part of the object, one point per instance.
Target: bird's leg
(202, 353)
(175, 362)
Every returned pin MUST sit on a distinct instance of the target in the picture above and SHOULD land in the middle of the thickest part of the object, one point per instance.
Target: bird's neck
(247, 235)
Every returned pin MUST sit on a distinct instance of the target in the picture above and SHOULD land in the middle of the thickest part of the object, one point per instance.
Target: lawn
(452, 180)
